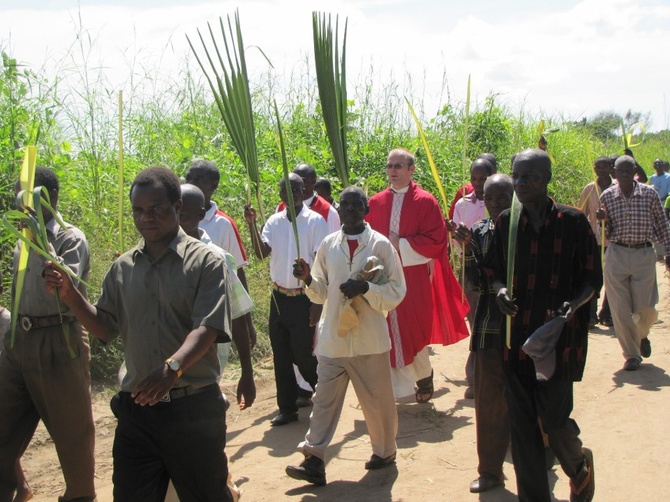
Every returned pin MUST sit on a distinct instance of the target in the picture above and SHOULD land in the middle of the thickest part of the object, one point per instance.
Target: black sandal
(424, 387)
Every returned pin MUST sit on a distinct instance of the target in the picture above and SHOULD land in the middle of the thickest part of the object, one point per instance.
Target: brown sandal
(583, 486)
(424, 387)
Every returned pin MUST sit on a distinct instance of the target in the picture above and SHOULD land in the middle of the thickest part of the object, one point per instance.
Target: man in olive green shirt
(166, 299)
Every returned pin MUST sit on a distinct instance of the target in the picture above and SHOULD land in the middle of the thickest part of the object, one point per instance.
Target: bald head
(192, 209)
(498, 192)
(624, 160)
(308, 175)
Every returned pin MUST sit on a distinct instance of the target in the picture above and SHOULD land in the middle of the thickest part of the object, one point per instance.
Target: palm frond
(431, 161)
(229, 81)
(290, 206)
(332, 82)
(514, 215)
(26, 184)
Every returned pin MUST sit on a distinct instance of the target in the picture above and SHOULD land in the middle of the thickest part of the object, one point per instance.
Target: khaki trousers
(39, 380)
(630, 282)
(371, 377)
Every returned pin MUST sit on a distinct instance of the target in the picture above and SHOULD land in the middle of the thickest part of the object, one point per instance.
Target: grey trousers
(371, 377)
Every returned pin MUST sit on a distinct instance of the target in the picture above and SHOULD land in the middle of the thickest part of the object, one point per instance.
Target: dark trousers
(292, 341)
(551, 401)
(604, 305)
(40, 380)
(492, 417)
(182, 440)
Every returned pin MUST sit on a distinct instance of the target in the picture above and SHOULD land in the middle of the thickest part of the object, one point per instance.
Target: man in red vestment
(434, 308)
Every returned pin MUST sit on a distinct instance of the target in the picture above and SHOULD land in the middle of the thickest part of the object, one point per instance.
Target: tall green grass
(180, 121)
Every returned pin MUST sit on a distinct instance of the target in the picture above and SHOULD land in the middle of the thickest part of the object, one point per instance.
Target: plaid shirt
(551, 266)
(486, 329)
(637, 219)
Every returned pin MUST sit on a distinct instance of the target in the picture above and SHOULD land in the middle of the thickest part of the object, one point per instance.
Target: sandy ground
(623, 417)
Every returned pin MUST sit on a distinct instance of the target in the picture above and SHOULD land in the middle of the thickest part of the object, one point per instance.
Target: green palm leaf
(332, 82)
(290, 207)
(514, 215)
(229, 81)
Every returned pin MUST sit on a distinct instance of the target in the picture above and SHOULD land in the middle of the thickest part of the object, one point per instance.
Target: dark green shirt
(154, 304)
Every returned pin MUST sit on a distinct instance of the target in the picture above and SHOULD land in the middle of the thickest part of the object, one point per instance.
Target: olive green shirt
(154, 304)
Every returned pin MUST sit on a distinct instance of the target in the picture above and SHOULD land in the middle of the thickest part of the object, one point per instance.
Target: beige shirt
(332, 267)
(589, 202)
(154, 304)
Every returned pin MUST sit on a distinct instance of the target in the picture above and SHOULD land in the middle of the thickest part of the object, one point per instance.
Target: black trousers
(551, 401)
(292, 340)
(182, 440)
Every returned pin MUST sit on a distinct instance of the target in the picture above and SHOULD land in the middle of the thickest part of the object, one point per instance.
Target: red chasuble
(433, 310)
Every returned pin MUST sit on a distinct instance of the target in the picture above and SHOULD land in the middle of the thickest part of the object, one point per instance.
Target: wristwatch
(175, 366)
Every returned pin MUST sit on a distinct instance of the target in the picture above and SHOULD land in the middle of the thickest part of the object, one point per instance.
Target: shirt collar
(53, 226)
(211, 211)
(400, 190)
(177, 245)
(362, 237)
(552, 212)
(619, 193)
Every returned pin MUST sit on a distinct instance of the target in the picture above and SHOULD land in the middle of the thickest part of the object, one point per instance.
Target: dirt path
(623, 416)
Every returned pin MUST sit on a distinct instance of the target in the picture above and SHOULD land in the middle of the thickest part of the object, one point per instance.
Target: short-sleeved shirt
(469, 210)
(550, 267)
(278, 234)
(70, 246)
(240, 301)
(635, 219)
(154, 304)
(661, 184)
(224, 233)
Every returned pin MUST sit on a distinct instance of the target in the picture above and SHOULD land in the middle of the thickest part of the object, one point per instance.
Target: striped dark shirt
(486, 328)
(552, 266)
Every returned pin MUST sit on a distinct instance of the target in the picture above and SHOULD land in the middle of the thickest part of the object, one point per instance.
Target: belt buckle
(291, 292)
(26, 323)
(165, 398)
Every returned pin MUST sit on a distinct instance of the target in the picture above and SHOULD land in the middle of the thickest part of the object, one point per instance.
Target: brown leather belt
(640, 245)
(30, 323)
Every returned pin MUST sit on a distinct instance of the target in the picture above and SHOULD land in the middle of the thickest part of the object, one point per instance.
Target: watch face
(174, 365)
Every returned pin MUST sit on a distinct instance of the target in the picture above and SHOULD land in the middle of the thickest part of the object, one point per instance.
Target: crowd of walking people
(358, 295)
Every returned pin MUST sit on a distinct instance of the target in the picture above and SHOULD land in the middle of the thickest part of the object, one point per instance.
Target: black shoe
(645, 347)
(303, 401)
(376, 462)
(484, 483)
(284, 418)
(632, 364)
(312, 470)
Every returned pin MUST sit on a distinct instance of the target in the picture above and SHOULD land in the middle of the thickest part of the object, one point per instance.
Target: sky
(560, 59)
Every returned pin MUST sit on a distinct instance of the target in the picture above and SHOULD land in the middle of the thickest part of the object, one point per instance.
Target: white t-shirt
(223, 234)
